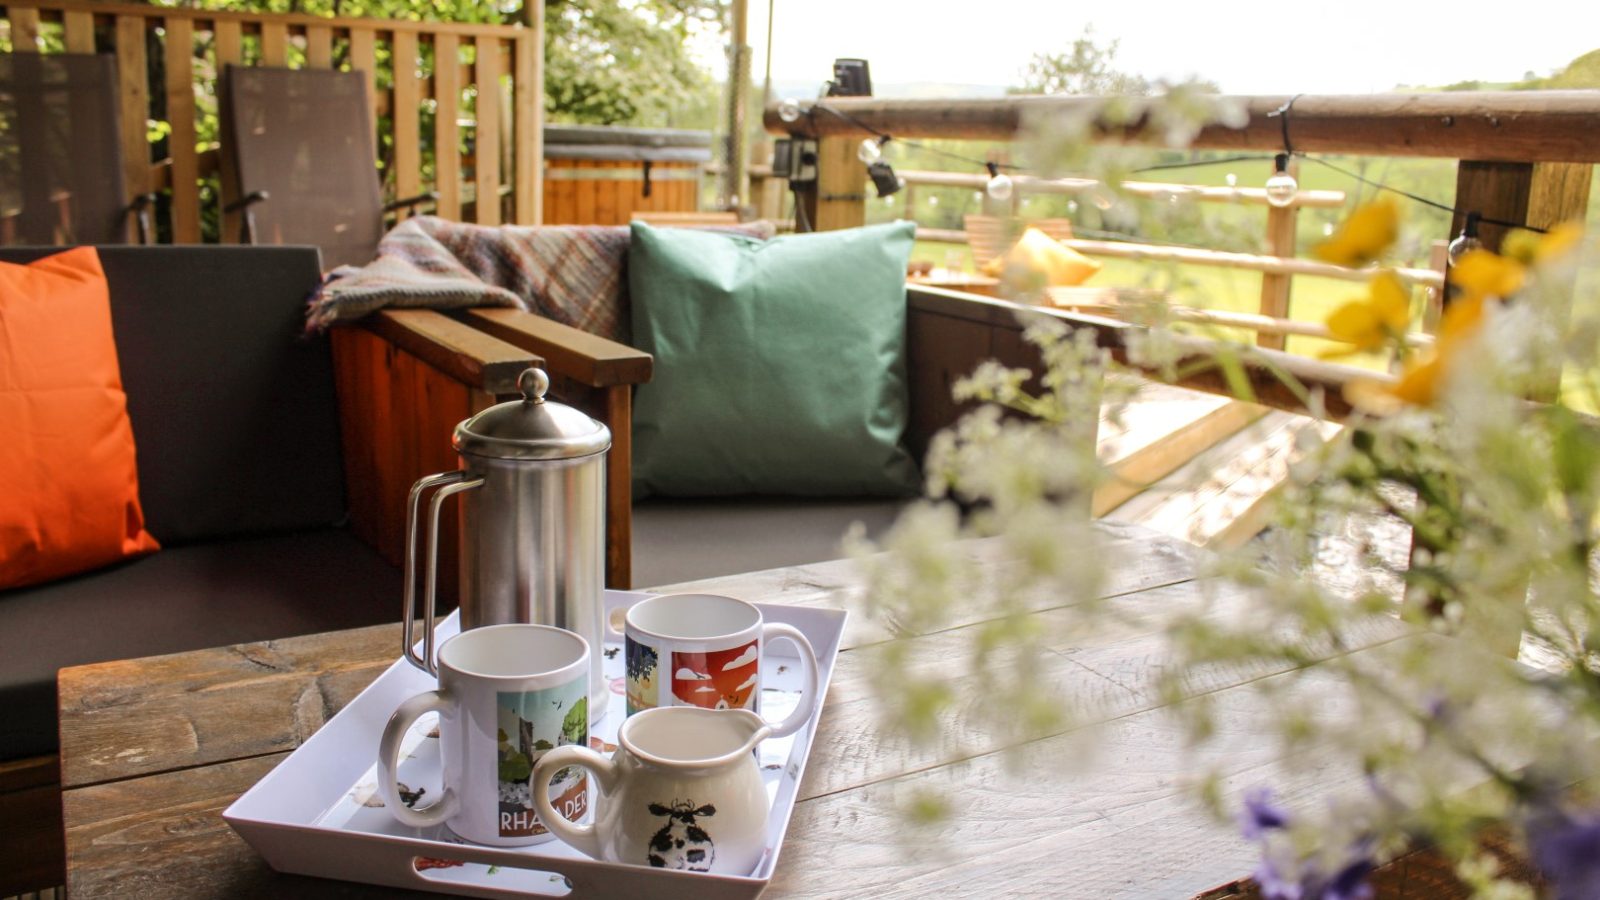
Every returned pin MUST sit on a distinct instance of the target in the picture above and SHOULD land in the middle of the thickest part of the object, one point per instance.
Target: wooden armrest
(586, 358)
(466, 354)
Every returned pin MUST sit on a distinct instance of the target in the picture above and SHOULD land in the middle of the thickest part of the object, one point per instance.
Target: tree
(612, 63)
(1088, 68)
(607, 62)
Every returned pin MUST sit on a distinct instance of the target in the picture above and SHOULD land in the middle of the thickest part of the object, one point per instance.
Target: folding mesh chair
(303, 153)
(61, 152)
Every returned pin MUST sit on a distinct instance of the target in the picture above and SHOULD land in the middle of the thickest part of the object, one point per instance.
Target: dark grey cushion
(686, 540)
(185, 598)
(234, 415)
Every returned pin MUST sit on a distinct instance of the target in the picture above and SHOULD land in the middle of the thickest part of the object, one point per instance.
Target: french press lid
(531, 428)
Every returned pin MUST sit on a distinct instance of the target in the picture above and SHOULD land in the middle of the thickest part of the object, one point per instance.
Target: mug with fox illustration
(705, 650)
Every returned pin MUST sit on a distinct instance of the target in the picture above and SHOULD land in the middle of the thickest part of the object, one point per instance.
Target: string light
(1281, 187)
(1000, 185)
(1466, 241)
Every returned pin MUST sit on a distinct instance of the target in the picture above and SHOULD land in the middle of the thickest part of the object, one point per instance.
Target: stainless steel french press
(532, 485)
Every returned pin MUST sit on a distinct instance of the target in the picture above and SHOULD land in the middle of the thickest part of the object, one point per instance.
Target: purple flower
(1566, 848)
(1260, 814)
(1348, 883)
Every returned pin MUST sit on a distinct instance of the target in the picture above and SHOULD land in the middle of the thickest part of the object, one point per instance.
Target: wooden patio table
(154, 749)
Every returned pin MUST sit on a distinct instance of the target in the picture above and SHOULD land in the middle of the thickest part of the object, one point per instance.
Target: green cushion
(779, 365)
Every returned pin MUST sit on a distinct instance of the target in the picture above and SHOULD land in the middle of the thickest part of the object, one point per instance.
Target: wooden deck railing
(1524, 157)
(490, 91)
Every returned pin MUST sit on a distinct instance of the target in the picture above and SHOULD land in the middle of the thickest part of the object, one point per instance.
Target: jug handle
(582, 837)
(448, 483)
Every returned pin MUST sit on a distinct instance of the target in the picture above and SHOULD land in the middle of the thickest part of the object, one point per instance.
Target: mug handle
(808, 663)
(582, 837)
(389, 765)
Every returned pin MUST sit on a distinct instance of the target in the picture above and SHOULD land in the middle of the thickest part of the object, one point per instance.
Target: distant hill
(1583, 72)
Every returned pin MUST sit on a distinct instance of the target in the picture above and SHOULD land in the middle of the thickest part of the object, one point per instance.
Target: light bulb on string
(1000, 185)
(871, 149)
(1466, 241)
(1281, 187)
(789, 109)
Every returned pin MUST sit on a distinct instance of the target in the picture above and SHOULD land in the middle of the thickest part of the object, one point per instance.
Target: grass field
(1205, 287)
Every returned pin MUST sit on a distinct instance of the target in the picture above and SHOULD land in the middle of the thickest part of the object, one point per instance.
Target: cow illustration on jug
(682, 843)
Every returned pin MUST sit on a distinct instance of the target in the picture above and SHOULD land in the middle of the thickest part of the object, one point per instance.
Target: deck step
(1220, 498)
(1162, 429)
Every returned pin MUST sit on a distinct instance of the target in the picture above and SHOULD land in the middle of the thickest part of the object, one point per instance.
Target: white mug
(705, 650)
(683, 791)
(507, 695)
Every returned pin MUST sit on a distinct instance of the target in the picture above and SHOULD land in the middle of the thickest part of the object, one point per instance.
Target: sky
(1351, 46)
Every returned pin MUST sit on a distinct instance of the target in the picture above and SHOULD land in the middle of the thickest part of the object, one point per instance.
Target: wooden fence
(486, 139)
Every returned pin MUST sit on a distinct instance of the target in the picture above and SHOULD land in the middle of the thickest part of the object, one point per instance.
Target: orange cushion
(69, 488)
(1040, 261)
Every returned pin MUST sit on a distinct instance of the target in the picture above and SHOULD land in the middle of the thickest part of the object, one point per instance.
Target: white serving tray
(314, 813)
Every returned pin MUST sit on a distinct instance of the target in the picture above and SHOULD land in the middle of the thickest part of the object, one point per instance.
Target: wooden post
(1282, 222)
(446, 136)
(24, 30)
(1439, 261)
(229, 50)
(735, 183)
(179, 57)
(405, 113)
(1537, 194)
(530, 106)
(838, 198)
(133, 89)
(486, 138)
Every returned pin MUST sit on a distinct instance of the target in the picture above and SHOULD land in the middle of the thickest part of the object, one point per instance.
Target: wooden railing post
(1282, 222)
(133, 89)
(838, 198)
(1537, 194)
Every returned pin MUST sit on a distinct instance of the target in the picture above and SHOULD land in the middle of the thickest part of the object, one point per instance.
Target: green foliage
(575, 727)
(606, 62)
(612, 63)
(514, 765)
(1088, 68)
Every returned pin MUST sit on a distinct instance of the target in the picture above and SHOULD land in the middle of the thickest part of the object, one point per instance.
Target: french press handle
(448, 483)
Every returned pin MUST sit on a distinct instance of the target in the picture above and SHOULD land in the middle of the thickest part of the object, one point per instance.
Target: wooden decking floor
(1196, 466)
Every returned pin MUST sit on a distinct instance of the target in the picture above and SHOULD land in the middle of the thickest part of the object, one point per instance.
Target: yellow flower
(1422, 377)
(1418, 385)
(1364, 236)
(1533, 249)
(1371, 322)
(1459, 322)
(1480, 273)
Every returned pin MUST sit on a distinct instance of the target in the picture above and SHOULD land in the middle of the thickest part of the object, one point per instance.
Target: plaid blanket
(574, 274)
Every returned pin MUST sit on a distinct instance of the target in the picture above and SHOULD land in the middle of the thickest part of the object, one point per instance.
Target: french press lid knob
(531, 427)
(533, 383)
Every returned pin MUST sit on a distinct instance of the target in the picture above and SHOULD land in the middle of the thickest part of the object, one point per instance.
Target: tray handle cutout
(532, 880)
